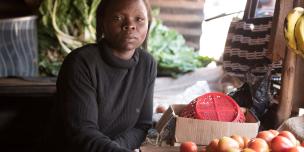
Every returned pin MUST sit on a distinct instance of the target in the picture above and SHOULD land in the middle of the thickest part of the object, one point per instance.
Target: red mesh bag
(214, 106)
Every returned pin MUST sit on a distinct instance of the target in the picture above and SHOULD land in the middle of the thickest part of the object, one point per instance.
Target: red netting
(214, 106)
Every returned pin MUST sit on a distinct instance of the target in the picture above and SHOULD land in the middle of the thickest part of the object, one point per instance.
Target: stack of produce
(265, 141)
(294, 30)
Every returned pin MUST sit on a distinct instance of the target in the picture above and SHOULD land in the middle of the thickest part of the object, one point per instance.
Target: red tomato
(302, 144)
(246, 141)
(239, 139)
(233, 150)
(204, 150)
(212, 146)
(280, 144)
(274, 132)
(188, 146)
(160, 109)
(226, 143)
(266, 135)
(296, 149)
(258, 144)
(248, 150)
(289, 135)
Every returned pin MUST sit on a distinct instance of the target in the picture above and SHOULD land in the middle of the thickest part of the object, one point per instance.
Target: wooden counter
(25, 105)
(151, 148)
(27, 86)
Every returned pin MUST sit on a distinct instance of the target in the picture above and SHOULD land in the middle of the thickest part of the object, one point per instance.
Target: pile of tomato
(265, 141)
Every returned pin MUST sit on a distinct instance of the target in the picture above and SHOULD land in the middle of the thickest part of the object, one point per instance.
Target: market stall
(290, 97)
(26, 102)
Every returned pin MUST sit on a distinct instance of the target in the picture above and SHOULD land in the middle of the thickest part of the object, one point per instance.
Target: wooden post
(298, 97)
(287, 90)
(277, 44)
(291, 95)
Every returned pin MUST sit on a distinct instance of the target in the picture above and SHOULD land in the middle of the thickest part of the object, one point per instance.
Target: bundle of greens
(169, 49)
(65, 25)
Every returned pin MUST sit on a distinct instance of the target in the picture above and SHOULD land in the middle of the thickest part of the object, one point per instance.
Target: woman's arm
(133, 138)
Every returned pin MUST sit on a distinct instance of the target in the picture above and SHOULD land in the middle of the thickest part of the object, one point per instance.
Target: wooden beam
(291, 96)
(250, 9)
(287, 90)
(277, 44)
(299, 79)
(298, 97)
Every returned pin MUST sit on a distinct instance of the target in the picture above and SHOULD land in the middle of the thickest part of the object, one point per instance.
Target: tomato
(204, 150)
(246, 141)
(233, 150)
(289, 135)
(188, 146)
(302, 144)
(239, 139)
(226, 143)
(212, 146)
(298, 143)
(258, 144)
(296, 149)
(266, 135)
(160, 109)
(248, 150)
(274, 132)
(280, 144)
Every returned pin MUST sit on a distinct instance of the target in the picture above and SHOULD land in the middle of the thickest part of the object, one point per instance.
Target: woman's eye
(117, 18)
(140, 19)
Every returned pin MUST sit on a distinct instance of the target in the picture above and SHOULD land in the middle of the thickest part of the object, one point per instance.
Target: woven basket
(214, 106)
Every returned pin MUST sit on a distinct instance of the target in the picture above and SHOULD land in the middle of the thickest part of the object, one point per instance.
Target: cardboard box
(203, 131)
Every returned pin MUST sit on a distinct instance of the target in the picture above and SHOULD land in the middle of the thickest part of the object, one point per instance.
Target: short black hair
(101, 10)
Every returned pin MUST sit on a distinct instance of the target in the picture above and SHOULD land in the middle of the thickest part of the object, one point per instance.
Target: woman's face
(125, 24)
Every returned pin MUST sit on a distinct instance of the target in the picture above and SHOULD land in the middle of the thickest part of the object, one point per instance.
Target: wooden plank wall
(277, 42)
(291, 97)
(185, 16)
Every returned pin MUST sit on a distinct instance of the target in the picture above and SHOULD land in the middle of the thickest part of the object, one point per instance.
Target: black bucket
(18, 47)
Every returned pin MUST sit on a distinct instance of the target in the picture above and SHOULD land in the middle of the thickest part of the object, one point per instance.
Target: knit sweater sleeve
(133, 138)
(79, 110)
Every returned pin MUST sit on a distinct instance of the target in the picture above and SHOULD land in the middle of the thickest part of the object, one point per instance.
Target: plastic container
(18, 46)
(214, 106)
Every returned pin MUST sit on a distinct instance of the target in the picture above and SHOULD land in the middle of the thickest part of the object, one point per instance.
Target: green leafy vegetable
(171, 52)
(65, 25)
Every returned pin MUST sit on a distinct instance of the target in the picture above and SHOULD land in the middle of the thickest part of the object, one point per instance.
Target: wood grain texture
(298, 97)
(287, 90)
(151, 148)
(277, 44)
(292, 96)
(185, 16)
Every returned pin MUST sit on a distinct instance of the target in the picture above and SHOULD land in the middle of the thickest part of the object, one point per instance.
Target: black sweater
(104, 103)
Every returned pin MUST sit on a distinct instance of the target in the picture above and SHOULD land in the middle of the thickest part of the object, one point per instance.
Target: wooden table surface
(152, 148)
(31, 86)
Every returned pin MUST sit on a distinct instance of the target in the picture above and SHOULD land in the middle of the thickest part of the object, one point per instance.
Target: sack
(294, 125)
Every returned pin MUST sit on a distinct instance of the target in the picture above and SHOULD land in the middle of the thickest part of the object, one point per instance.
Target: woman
(105, 90)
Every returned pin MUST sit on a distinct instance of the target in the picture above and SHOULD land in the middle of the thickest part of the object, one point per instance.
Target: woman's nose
(129, 26)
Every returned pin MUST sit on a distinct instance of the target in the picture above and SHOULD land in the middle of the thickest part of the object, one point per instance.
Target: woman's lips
(130, 38)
